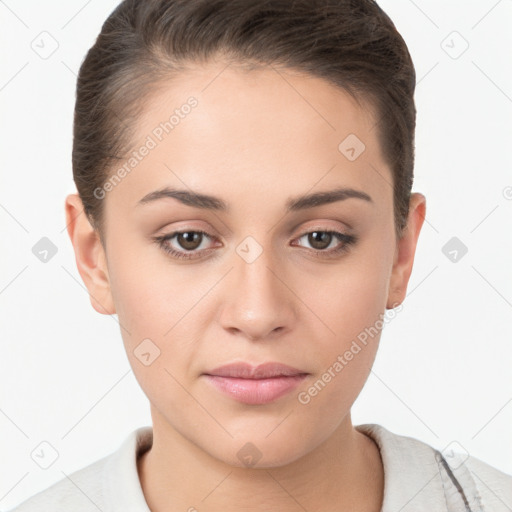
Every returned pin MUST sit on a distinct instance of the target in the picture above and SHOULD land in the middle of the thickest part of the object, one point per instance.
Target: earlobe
(89, 255)
(405, 251)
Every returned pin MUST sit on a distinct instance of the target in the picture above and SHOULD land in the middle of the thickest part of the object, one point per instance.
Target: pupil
(186, 240)
(320, 236)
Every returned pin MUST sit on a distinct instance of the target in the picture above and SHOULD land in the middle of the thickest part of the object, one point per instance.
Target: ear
(405, 250)
(90, 256)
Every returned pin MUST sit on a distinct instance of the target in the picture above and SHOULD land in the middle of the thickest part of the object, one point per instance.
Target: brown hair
(350, 43)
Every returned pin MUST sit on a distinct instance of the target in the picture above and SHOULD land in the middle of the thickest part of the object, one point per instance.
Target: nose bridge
(257, 302)
(254, 271)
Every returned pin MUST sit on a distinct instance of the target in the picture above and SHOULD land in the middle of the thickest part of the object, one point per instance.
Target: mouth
(255, 385)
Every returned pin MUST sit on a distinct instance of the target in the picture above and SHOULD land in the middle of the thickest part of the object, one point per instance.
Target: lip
(255, 385)
(262, 371)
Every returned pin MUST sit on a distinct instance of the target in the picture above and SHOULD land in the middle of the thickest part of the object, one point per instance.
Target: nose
(258, 303)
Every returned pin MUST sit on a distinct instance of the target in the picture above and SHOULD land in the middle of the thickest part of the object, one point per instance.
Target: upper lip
(248, 371)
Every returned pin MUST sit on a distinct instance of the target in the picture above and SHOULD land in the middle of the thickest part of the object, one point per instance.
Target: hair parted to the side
(143, 44)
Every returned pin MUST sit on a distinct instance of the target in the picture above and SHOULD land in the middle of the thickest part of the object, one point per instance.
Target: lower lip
(256, 391)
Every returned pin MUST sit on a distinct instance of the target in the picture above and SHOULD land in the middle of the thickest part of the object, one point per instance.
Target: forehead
(218, 128)
(241, 101)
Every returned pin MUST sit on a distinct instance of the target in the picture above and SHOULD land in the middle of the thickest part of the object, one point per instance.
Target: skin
(255, 140)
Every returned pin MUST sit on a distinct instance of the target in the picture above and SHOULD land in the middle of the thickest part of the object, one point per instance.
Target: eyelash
(348, 240)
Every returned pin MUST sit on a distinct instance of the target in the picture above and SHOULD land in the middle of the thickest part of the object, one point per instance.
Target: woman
(245, 169)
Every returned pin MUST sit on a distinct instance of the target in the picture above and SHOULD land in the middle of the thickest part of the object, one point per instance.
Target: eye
(190, 241)
(187, 244)
(320, 240)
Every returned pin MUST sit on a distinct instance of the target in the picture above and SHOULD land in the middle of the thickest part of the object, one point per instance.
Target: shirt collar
(123, 489)
(412, 480)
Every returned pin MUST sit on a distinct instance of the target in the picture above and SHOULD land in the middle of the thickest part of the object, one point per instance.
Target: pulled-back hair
(352, 44)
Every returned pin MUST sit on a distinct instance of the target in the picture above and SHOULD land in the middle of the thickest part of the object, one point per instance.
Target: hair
(145, 44)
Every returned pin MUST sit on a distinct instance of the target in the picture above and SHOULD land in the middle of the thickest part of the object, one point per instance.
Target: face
(259, 274)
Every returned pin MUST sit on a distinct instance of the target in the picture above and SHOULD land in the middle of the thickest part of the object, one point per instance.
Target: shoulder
(493, 485)
(78, 492)
(110, 483)
(419, 477)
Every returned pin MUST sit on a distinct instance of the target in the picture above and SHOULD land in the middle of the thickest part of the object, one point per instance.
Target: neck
(344, 473)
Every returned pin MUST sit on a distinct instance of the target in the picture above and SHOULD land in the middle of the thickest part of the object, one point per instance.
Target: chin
(259, 452)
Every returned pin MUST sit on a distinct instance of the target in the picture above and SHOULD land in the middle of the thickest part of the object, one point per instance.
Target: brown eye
(184, 244)
(189, 240)
(326, 243)
(320, 239)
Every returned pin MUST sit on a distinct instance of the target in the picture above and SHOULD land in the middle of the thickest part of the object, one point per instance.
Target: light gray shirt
(417, 478)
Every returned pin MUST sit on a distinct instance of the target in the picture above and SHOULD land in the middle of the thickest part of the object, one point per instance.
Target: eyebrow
(208, 202)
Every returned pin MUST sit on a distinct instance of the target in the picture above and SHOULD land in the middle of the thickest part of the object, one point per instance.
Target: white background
(442, 373)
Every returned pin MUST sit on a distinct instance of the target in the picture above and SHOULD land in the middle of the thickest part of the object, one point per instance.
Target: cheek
(156, 303)
(152, 312)
(149, 294)
(354, 313)
(351, 298)
(350, 306)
